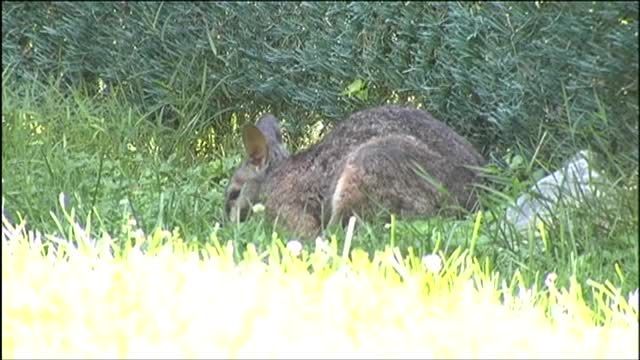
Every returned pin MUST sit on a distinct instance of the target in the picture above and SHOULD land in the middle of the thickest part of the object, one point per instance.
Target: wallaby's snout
(237, 203)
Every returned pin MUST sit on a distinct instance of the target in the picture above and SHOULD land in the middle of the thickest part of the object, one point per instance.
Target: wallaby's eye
(234, 194)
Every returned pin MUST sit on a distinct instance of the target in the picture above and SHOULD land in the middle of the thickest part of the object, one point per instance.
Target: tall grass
(175, 300)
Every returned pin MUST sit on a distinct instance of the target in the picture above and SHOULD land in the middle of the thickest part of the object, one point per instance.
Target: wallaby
(393, 158)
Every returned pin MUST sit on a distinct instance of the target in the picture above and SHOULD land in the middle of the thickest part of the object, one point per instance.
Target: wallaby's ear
(255, 144)
(270, 127)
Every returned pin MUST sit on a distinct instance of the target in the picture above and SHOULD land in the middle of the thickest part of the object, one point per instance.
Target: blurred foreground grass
(162, 298)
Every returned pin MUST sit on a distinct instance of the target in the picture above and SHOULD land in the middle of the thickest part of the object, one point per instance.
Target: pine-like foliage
(497, 72)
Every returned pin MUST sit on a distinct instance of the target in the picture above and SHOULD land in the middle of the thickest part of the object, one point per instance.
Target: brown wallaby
(393, 158)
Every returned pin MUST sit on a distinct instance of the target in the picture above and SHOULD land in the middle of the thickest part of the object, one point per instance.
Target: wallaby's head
(264, 150)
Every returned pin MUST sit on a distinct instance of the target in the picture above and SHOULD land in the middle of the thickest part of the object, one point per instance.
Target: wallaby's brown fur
(390, 157)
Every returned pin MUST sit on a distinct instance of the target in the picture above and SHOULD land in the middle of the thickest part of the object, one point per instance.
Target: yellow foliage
(173, 303)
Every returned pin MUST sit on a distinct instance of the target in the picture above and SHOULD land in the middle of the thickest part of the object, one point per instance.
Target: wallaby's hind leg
(389, 173)
(347, 194)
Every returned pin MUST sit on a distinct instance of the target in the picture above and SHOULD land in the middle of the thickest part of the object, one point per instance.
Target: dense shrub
(498, 72)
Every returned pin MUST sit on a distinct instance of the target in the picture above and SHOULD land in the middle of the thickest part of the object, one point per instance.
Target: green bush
(495, 71)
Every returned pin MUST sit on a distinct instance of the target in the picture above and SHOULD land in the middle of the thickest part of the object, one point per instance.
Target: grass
(119, 172)
(175, 301)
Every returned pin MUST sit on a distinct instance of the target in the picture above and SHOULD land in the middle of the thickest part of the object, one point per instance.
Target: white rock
(572, 183)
